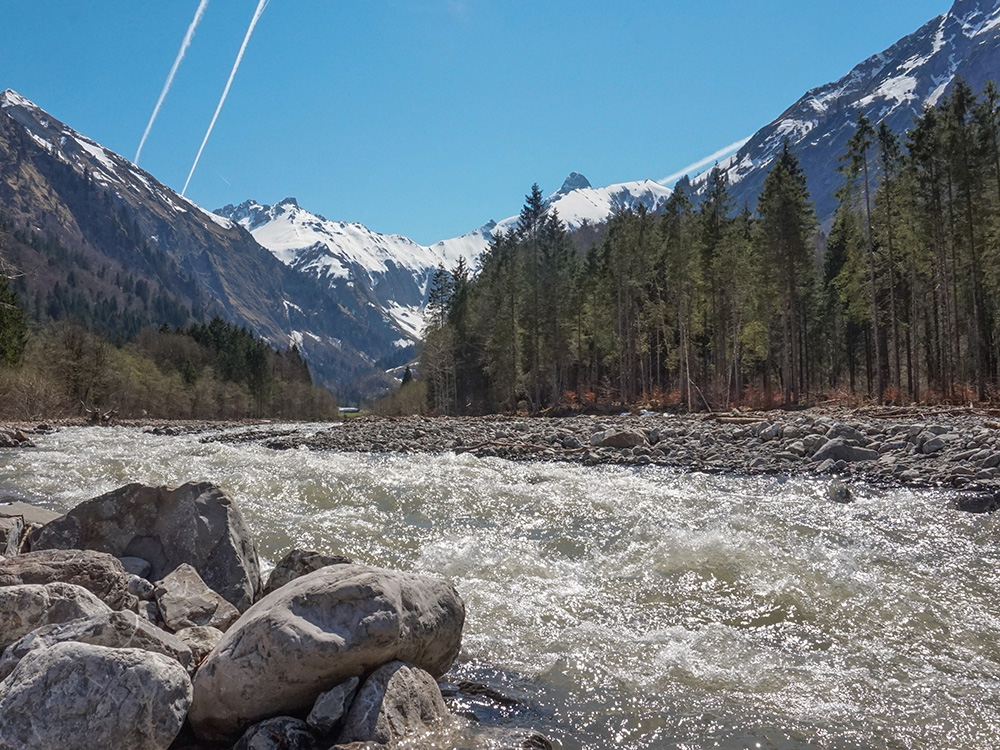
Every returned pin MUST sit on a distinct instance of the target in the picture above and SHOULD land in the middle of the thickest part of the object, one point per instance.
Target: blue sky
(429, 117)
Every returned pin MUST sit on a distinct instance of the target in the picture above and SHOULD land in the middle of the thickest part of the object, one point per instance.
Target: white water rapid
(633, 608)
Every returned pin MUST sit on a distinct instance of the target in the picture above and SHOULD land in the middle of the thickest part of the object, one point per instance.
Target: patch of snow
(410, 319)
(100, 154)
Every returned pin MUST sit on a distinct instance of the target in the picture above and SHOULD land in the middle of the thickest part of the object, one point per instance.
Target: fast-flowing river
(633, 608)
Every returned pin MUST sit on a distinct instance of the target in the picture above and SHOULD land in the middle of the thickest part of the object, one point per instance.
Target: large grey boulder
(99, 573)
(186, 602)
(300, 562)
(76, 695)
(110, 629)
(397, 701)
(196, 523)
(339, 622)
(25, 608)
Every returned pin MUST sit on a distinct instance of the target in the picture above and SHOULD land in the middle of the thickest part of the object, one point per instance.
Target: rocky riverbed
(140, 620)
(959, 449)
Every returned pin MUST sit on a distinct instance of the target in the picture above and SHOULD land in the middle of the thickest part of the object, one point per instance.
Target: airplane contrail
(173, 72)
(723, 152)
(236, 66)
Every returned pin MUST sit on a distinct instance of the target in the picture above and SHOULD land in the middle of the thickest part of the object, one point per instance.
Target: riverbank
(928, 448)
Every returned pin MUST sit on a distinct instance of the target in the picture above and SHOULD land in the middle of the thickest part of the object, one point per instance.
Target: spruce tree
(13, 329)
(787, 226)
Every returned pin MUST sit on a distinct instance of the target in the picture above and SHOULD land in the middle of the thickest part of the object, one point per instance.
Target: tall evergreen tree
(787, 226)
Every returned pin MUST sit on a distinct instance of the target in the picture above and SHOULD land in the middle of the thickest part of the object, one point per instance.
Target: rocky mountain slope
(893, 85)
(393, 272)
(81, 217)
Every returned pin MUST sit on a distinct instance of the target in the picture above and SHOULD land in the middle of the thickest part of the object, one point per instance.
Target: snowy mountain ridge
(395, 270)
(894, 86)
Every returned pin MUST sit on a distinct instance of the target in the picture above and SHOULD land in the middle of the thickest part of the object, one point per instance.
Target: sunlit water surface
(633, 608)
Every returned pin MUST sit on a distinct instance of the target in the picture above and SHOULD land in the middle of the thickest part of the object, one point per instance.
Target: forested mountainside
(99, 240)
(715, 306)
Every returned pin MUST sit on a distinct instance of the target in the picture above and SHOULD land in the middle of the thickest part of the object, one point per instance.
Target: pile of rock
(957, 450)
(140, 620)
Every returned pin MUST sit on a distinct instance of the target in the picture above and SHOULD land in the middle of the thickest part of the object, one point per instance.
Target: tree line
(709, 305)
(211, 370)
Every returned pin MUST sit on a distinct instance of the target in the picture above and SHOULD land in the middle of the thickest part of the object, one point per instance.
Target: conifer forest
(711, 305)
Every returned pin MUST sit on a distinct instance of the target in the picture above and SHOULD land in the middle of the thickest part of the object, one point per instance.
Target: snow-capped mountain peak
(575, 181)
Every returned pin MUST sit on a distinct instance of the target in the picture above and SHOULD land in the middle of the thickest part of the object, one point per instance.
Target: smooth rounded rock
(75, 696)
(196, 523)
(396, 702)
(279, 733)
(300, 562)
(339, 622)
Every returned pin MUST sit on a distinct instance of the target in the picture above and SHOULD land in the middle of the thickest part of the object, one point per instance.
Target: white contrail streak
(236, 66)
(698, 165)
(173, 72)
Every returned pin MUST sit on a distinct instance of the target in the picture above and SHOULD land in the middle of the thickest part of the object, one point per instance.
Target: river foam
(635, 608)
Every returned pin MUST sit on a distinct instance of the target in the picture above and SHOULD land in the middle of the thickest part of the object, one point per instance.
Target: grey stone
(30, 606)
(992, 461)
(78, 696)
(838, 492)
(201, 639)
(772, 432)
(839, 449)
(893, 445)
(847, 433)
(100, 574)
(332, 706)
(978, 502)
(339, 622)
(279, 733)
(140, 588)
(300, 562)
(572, 443)
(397, 701)
(196, 523)
(111, 629)
(825, 467)
(623, 439)
(939, 443)
(136, 566)
(186, 602)
(150, 612)
(798, 448)
(11, 531)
